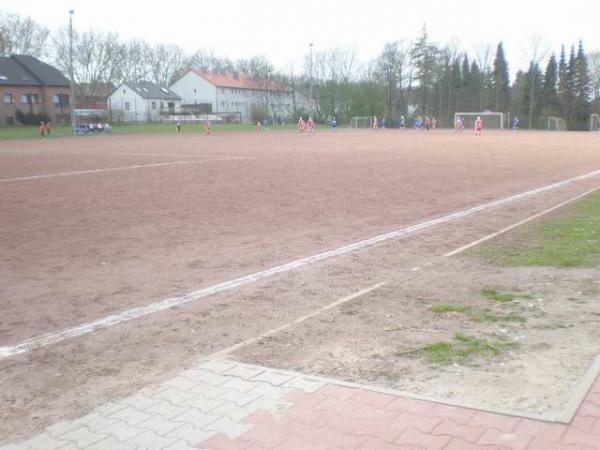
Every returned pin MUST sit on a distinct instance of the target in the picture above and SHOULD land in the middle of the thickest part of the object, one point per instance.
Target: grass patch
(489, 316)
(493, 294)
(462, 349)
(443, 308)
(569, 240)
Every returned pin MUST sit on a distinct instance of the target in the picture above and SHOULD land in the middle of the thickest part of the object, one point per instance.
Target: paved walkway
(226, 405)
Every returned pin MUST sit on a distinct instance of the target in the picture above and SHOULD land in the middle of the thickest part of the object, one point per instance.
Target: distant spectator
(48, 128)
(42, 129)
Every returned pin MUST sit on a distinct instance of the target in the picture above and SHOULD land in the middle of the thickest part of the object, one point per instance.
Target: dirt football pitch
(103, 229)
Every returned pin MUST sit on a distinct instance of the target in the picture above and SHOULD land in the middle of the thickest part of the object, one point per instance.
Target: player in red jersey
(478, 126)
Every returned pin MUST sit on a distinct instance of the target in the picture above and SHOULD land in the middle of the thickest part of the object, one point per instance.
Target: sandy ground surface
(79, 247)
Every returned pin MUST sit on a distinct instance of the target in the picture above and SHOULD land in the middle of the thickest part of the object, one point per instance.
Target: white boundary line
(518, 224)
(135, 313)
(117, 169)
(335, 304)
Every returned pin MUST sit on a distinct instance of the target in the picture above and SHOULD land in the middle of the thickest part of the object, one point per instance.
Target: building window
(124, 92)
(153, 105)
(127, 106)
(222, 90)
(60, 99)
(8, 99)
(28, 99)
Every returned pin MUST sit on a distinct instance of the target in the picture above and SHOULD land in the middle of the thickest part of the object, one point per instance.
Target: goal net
(595, 122)
(491, 120)
(557, 124)
(360, 122)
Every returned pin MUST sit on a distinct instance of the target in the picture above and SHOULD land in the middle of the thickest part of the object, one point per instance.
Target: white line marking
(335, 304)
(135, 313)
(116, 169)
(518, 224)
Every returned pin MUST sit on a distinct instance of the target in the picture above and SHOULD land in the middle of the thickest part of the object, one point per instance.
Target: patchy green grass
(489, 316)
(443, 308)
(463, 349)
(569, 240)
(501, 297)
(32, 132)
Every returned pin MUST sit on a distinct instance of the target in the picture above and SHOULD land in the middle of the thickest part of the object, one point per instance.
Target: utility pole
(310, 90)
(71, 76)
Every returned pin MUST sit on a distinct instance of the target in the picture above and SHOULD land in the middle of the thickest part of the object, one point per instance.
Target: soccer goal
(557, 124)
(491, 120)
(595, 122)
(360, 122)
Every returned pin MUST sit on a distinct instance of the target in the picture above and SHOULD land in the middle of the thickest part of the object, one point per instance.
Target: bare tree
(135, 67)
(21, 35)
(594, 70)
(166, 63)
(98, 60)
(392, 72)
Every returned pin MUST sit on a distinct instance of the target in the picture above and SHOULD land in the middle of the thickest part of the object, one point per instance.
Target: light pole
(310, 89)
(71, 76)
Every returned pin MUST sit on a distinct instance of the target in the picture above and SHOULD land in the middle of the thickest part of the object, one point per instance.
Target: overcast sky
(282, 29)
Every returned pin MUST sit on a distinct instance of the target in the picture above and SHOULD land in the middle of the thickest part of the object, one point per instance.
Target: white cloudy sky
(282, 29)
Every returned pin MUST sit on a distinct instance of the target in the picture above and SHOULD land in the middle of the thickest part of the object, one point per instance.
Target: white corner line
(117, 169)
(339, 302)
(135, 313)
(518, 224)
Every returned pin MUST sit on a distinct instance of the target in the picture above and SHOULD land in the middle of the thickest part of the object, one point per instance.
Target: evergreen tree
(532, 94)
(549, 100)
(423, 59)
(563, 78)
(570, 94)
(582, 89)
(501, 80)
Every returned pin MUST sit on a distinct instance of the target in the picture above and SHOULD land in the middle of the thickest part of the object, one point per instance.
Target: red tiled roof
(229, 80)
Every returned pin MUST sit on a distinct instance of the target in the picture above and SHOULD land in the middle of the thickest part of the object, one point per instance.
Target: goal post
(595, 122)
(491, 120)
(360, 122)
(557, 124)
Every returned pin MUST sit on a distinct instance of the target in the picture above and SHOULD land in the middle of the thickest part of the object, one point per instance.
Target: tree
(98, 59)
(532, 94)
(423, 59)
(582, 109)
(391, 73)
(549, 100)
(501, 80)
(166, 63)
(594, 73)
(23, 36)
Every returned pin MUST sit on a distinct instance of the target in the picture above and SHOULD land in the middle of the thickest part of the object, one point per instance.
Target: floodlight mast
(71, 72)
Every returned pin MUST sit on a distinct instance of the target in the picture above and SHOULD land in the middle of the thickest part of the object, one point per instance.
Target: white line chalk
(298, 321)
(518, 224)
(135, 313)
(115, 169)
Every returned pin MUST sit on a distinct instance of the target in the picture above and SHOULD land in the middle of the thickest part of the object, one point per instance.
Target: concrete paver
(227, 405)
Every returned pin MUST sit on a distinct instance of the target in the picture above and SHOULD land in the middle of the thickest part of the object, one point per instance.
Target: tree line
(408, 78)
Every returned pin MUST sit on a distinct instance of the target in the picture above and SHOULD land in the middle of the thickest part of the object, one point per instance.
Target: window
(60, 100)
(124, 91)
(8, 99)
(127, 106)
(153, 105)
(222, 90)
(166, 91)
(28, 99)
(3, 77)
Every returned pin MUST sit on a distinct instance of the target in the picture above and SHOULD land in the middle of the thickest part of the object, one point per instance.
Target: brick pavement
(226, 405)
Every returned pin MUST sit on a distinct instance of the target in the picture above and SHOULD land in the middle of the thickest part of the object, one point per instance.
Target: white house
(232, 94)
(142, 102)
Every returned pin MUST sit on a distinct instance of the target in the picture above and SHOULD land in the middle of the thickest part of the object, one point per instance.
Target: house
(28, 85)
(143, 101)
(233, 94)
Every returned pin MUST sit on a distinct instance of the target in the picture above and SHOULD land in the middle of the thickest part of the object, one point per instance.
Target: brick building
(31, 86)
